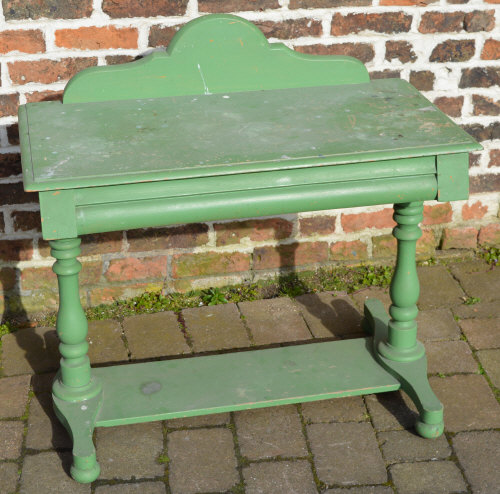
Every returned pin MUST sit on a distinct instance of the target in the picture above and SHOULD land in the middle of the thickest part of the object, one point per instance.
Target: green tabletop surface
(76, 145)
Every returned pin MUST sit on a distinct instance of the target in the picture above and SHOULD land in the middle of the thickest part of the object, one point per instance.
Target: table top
(66, 146)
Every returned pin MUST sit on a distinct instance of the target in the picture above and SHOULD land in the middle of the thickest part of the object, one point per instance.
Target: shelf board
(192, 386)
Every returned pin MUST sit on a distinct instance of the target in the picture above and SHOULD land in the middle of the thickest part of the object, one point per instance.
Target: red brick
(474, 159)
(402, 50)
(8, 104)
(494, 158)
(10, 165)
(318, 4)
(390, 22)
(97, 38)
(14, 194)
(101, 243)
(16, 250)
(7, 279)
(490, 235)
(475, 211)
(492, 1)
(483, 133)
(22, 40)
(491, 50)
(291, 28)
(133, 268)
(416, 3)
(218, 6)
(485, 106)
(109, 294)
(485, 183)
(48, 71)
(452, 106)
(38, 96)
(479, 20)
(209, 263)
(25, 221)
(178, 237)
(385, 74)
(480, 77)
(361, 51)
(317, 225)
(144, 8)
(162, 35)
(119, 59)
(53, 9)
(453, 50)
(440, 22)
(435, 215)
(423, 80)
(296, 254)
(2, 223)
(255, 230)
(459, 238)
(360, 221)
(13, 134)
(346, 251)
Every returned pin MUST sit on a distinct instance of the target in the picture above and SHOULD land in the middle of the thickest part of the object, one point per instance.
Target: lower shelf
(192, 386)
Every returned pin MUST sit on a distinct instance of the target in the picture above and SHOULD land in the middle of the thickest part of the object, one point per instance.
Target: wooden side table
(225, 125)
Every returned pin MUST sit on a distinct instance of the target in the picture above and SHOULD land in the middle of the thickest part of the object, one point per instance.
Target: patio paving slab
(482, 333)
(105, 342)
(340, 449)
(202, 460)
(438, 288)
(449, 357)
(270, 432)
(478, 279)
(350, 409)
(8, 477)
(438, 477)
(437, 325)
(11, 438)
(490, 360)
(479, 455)
(13, 396)
(391, 411)
(283, 477)
(142, 488)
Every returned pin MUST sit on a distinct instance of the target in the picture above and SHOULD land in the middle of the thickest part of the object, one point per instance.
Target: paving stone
(490, 360)
(202, 460)
(282, 477)
(479, 455)
(438, 477)
(269, 432)
(44, 429)
(449, 357)
(407, 446)
(8, 477)
(13, 395)
(142, 488)
(130, 451)
(346, 454)
(154, 335)
(351, 409)
(30, 350)
(482, 333)
(199, 421)
(329, 314)
(438, 288)
(478, 279)
(391, 411)
(483, 310)
(375, 489)
(468, 402)
(105, 342)
(436, 325)
(48, 473)
(382, 294)
(11, 439)
(216, 327)
(275, 320)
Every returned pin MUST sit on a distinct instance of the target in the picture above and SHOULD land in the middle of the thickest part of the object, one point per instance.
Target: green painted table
(224, 125)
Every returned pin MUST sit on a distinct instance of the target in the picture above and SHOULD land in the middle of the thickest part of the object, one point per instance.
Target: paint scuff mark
(203, 80)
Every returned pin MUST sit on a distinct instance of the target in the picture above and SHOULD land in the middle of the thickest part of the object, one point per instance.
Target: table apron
(132, 214)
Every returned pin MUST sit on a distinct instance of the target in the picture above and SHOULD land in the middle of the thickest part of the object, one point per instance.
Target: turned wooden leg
(74, 390)
(395, 340)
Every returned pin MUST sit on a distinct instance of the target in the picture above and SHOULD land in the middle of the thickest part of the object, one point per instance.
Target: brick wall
(450, 50)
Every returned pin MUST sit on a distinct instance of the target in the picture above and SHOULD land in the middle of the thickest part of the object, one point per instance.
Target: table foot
(411, 374)
(79, 419)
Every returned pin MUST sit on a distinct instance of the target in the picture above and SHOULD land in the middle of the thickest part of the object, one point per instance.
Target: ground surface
(359, 445)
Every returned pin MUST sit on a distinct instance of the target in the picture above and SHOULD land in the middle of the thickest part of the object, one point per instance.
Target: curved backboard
(213, 54)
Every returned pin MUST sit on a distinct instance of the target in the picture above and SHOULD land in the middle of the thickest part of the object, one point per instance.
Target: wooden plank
(251, 379)
(114, 142)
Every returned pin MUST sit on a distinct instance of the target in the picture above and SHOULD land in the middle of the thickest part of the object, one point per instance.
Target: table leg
(75, 392)
(396, 345)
